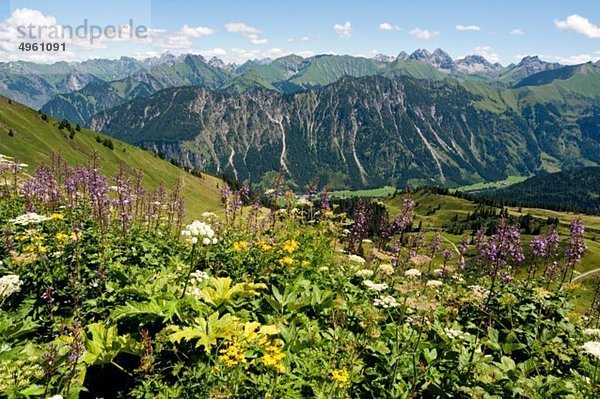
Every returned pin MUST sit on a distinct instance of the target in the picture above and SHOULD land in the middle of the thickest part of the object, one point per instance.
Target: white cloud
(302, 39)
(388, 26)
(85, 44)
(423, 34)
(487, 53)
(26, 25)
(344, 31)
(516, 32)
(199, 31)
(578, 24)
(252, 33)
(254, 39)
(568, 59)
(468, 27)
(240, 27)
(215, 52)
(577, 59)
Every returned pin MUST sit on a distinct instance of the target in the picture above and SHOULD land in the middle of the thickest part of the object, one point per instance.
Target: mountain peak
(402, 55)
(216, 62)
(531, 59)
(420, 55)
(476, 64)
(383, 58)
(439, 58)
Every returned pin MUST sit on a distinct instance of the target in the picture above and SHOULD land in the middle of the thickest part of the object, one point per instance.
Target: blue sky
(503, 31)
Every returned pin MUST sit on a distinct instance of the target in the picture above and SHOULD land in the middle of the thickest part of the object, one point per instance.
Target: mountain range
(352, 121)
(37, 84)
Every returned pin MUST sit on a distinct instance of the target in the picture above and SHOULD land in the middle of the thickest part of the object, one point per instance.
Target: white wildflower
(365, 273)
(357, 259)
(386, 269)
(386, 302)
(412, 273)
(304, 202)
(29, 218)
(592, 332)
(592, 348)
(9, 285)
(199, 229)
(199, 276)
(323, 268)
(455, 334)
(479, 292)
(434, 283)
(374, 286)
(209, 215)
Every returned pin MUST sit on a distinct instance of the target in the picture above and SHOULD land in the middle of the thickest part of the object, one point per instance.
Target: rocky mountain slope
(357, 132)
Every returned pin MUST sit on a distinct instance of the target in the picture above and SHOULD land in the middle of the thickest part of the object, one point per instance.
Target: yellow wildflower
(266, 247)
(233, 355)
(542, 293)
(290, 246)
(75, 236)
(240, 245)
(286, 261)
(274, 355)
(61, 237)
(57, 216)
(340, 377)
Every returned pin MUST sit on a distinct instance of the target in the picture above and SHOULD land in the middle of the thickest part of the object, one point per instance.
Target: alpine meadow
(230, 200)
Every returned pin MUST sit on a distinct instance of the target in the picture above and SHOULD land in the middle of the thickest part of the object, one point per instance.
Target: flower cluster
(274, 355)
(434, 283)
(233, 354)
(198, 230)
(365, 273)
(374, 286)
(452, 333)
(16, 375)
(591, 332)
(412, 273)
(9, 285)
(503, 248)
(386, 302)
(29, 218)
(386, 269)
(340, 378)
(290, 246)
(592, 348)
(357, 259)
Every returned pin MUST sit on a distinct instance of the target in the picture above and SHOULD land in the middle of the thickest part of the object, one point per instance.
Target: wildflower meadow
(107, 290)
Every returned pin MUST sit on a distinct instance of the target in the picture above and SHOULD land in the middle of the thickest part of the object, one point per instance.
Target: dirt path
(586, 274)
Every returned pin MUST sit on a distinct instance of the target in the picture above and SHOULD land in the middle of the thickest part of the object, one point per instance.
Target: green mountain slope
(35, 84)
(356, 132)
(188, 70)
(79, 106)
(577, 189)
(34, 140)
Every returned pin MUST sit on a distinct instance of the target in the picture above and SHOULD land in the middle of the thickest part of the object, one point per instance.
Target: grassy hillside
(34, 140)
(436, 212)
